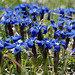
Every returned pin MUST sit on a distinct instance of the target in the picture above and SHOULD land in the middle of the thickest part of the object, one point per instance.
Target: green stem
(27, 10)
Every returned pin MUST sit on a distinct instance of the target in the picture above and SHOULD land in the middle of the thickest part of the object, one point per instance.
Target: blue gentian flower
(44, 29)
(34, 31)
(16, 38)
(71, 34)
(61, 33)
(69, 22)
(44, 9)
(56, 45)
(10, 46)
(15, 44)
(52, 21)
(24, 45)
(30, 42)
(2, 8)
(49, 44)
(17, 50)
(59, 18)
(8, 39)
(56, 48)
(57, 33)
(34, 11)
(62, 12)
(55, 26)
(19, 44)
(17, 7)
(69, 28)
(63, 44)
(40, 42)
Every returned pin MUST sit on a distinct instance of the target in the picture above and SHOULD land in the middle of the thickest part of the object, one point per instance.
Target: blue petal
(44, 30)
(40, 43)
(17, 50)
(8, 40)
(30, 44)
(52, 21)
(56, 48)
(10, 46)
(73, 51)
(57, 33)
(34, 31)
(1, 46)
(64, 44)
(63, 34)
(24, 45)
(55, 26)
(72, 36)
(16, 38)
(26, 40)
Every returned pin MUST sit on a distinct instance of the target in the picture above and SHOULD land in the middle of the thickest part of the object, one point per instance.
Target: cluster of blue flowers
(13, 42)
(25, 14)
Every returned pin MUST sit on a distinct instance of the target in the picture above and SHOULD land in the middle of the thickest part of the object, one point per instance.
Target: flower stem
(44, 52)
(10, 29)
(49, 16)
(0, 57)
(56, 59)
(34, 54)
(22, 31)
(73, 44)
(18, 59)
(42, 15)
(67, 41)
